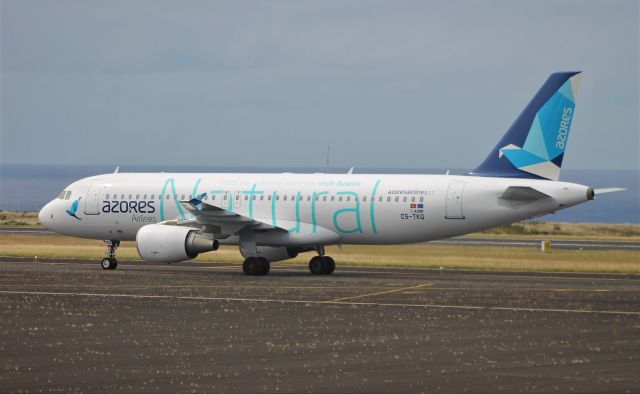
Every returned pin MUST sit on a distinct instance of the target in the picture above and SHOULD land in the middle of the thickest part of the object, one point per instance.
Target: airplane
(273, 217)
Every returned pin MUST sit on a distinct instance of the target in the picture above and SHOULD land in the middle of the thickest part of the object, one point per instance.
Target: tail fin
(534, 145)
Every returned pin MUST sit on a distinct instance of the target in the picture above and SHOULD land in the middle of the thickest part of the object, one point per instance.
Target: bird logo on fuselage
(74, 208)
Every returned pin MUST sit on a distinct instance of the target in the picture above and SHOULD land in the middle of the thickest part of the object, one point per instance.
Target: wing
(224, 223)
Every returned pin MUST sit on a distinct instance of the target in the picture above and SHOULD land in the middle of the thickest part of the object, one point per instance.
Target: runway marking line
(379, 293)
(317, 302)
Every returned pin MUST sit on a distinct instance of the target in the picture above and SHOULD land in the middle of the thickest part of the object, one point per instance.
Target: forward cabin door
(92, 199)
(454, 201)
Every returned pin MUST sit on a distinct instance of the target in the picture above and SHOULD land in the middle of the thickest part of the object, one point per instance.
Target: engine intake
(170, 244)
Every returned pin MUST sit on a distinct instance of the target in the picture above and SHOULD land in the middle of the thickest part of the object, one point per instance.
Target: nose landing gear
(110, 262)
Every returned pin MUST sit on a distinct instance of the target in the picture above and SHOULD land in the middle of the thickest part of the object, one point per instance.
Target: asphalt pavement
(68, 325)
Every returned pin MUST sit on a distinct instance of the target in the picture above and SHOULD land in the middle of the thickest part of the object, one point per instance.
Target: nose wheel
(110, 262)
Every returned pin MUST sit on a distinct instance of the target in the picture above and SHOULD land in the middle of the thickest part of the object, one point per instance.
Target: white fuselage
(361, 209)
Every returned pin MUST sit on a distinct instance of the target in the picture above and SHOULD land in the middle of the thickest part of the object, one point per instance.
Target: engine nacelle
(277, 253)
(170, 244)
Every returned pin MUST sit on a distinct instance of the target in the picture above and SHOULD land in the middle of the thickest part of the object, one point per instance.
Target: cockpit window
(68, 195)
(61, 196)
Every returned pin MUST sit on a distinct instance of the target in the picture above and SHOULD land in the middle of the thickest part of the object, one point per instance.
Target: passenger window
(413, 199)
(324, 198)
(404, 199)
(261, 198)
(278, 197)
(284, 198)
(421, 199)
(213, 197)
(106, 196)
(340, 198)
(225, 197)
(246, 197)
(308, 198)
(122, 197)
(167, 196)
(254, 198)
(137, 196)
(269, 197)
(333, 198)
(389, 199)
(348, 198)
(397, 199)
(364, 199)
(380, 199)
(153, 195)
(182, 197)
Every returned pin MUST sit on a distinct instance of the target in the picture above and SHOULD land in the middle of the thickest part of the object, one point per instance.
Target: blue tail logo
(74, 208)
(534, 145)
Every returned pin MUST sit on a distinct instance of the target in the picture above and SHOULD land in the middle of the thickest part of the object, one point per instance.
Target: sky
(397, 84)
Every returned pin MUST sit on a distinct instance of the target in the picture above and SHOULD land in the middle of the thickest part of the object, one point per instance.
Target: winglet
(196, 201)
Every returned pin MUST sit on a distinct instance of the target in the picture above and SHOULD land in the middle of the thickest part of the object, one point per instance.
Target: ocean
(29, 187)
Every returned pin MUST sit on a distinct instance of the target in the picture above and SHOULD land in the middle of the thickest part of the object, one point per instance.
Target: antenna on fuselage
(328, 156)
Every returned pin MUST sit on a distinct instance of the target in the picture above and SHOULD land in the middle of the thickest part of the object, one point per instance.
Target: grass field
(415, 256)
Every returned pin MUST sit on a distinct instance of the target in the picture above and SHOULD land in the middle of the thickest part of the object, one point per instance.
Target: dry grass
(525, 229)
(416, 256)
(9, 218)
(562, 230)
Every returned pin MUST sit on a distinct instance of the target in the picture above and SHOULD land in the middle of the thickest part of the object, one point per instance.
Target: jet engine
(170, 244)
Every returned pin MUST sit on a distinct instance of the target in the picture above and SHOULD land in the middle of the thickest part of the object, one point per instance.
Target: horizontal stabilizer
(523, 193)
(608, 190)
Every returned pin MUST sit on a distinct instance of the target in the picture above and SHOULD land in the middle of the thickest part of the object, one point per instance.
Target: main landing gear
(256, 266)
(322, 264)
(110, 262)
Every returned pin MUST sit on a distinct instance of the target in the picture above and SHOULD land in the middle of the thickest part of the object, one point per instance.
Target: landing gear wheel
(266, 265)
(109, 263)
(256, 266)
(322, 265)
(330, 265)
(316, 266)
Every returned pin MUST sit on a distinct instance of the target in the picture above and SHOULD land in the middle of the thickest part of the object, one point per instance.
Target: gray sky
(271, 83)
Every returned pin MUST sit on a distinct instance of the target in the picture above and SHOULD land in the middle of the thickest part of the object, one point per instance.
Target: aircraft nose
(45, 215)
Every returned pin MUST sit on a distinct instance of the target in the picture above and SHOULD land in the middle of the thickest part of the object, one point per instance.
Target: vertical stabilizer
(534, 145)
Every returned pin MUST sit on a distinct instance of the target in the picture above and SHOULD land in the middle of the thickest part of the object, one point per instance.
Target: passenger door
(92, 198)
(454, 201)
